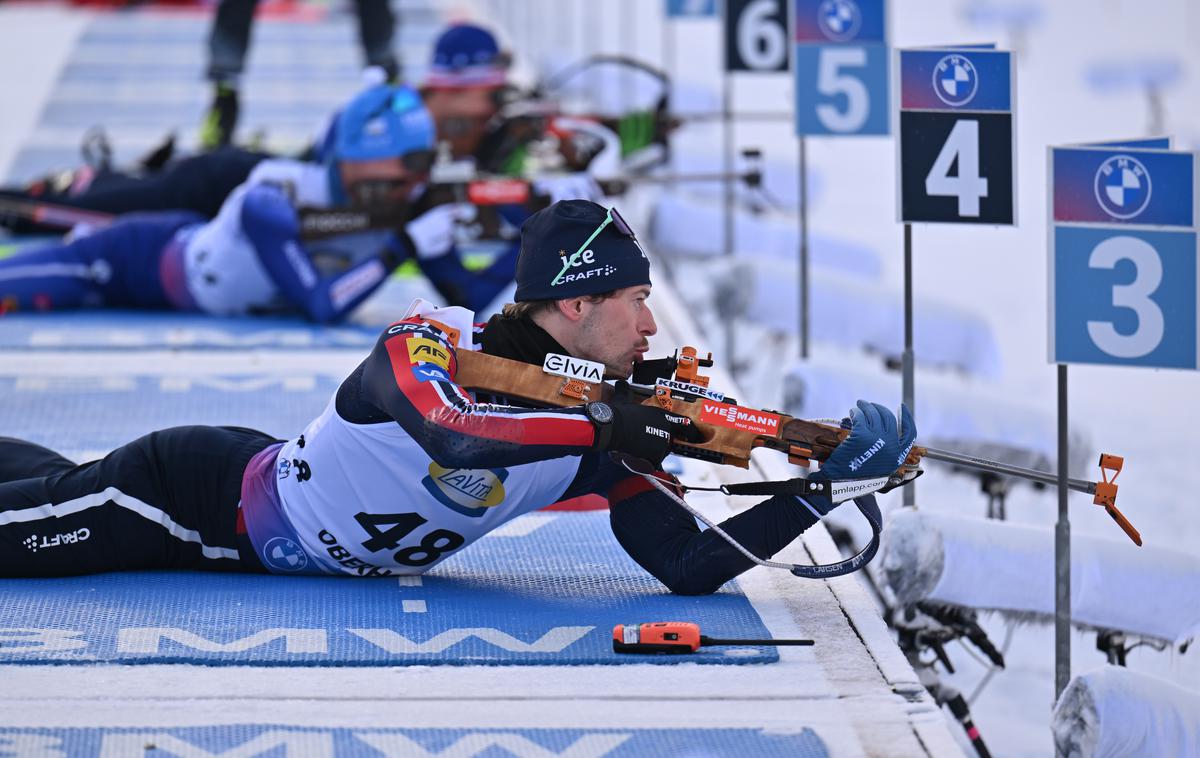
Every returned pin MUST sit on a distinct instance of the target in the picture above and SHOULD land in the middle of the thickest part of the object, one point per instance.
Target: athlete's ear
(572, 308)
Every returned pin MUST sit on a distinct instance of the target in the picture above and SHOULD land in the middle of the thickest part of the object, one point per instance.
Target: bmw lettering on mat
(252, 740)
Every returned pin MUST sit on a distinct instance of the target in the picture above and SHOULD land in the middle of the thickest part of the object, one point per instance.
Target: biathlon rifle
(637, 130)
(731, 432)
(315, 223)
(486, 193)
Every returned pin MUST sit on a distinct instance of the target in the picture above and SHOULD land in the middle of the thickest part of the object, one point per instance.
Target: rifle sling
(870, 509)
(799, 487)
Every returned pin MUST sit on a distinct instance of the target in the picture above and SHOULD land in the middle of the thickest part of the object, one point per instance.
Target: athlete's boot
(219, 122)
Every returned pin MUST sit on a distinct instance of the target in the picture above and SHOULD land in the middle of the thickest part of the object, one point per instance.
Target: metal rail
(995, 467)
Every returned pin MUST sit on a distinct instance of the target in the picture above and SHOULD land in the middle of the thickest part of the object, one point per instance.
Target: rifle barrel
(739, 116)
(617, 185)
(719, 176)
(995, 467)
(52, 214)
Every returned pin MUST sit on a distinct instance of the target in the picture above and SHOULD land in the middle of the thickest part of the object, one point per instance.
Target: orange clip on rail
(1106, 494)
(687, 368)
(799, 455)
(662, 397)
(576, 388)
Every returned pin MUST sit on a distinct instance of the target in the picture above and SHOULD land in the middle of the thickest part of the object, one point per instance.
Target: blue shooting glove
(908, 434)
(875, 448)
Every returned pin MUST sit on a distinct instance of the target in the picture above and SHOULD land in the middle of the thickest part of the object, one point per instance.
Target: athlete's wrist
(601, 416)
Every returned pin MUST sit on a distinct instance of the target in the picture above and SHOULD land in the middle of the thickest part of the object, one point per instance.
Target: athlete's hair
(529, 307)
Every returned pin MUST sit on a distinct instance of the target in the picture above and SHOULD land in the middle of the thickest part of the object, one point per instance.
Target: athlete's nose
(646, 323)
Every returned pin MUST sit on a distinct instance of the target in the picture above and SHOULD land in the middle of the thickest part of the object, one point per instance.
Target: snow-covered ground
(999, 273)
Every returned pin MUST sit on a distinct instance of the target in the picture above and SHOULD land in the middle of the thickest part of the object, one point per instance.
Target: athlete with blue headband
(250, 258)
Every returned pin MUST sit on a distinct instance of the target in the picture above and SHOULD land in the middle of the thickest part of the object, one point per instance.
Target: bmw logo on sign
(1122, 186)
(284, 554)
(840, 20)
(955, 80)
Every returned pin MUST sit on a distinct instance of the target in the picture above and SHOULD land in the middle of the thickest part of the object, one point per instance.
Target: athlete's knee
(23, 460)
(690, 583)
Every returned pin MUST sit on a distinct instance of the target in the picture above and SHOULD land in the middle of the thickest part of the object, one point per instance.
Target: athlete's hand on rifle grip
(875, 446)
(432, 233)
(643, 431)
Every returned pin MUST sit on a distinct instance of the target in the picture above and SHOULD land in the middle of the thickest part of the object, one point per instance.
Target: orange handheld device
(675, 637)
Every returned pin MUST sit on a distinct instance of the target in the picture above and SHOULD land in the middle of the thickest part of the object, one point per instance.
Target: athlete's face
(614, 331)
(384, 182)
(462, 116)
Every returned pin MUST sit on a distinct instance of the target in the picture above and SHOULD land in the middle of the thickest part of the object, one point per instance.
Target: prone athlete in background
(501, 129)
(466, 91)
(251, 257)
(160, 181)
(198, 183)
(464, 99)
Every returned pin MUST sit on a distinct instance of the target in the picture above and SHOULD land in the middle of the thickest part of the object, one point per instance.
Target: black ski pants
(197, 183)
(167, 500)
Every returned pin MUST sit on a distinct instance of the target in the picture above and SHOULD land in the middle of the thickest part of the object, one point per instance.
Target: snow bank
(850, 310)
(995, 565)
(695, 227)
(1117, 713)
(952, 412)
(846, 310)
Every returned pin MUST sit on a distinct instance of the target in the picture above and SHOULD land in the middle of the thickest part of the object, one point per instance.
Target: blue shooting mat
(547, 593)
(375, 742)
(121, 330)
(82, 415)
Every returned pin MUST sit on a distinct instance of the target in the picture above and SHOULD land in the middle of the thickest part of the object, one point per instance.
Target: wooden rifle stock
(731, 432)
(801, 440)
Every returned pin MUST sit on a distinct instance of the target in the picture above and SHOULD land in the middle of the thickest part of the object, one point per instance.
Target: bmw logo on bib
(955, 80)
(284, 554)
(1122, 186)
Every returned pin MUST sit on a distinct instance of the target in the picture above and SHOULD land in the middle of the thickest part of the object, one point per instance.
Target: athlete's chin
(622, 370)
(618, 372)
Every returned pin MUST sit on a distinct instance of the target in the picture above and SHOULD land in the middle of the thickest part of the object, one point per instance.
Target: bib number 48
(400, 525)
